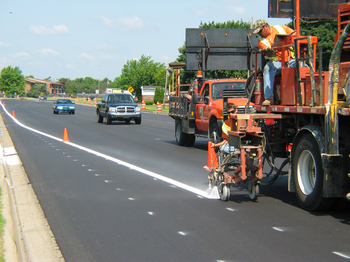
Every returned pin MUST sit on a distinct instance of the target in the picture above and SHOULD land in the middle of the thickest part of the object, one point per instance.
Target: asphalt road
(126, 192)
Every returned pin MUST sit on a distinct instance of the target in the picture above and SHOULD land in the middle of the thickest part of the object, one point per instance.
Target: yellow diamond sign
(131, 89)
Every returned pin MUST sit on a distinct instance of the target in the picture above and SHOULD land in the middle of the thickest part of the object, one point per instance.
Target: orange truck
(199, 111)
(308, 123)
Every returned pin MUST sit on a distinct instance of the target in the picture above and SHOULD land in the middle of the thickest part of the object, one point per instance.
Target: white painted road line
(118, 161)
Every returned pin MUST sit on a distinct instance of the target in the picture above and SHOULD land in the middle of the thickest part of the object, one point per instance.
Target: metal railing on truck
(179, 107)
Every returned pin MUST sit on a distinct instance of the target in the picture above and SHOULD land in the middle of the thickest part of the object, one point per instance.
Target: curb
(27, 234)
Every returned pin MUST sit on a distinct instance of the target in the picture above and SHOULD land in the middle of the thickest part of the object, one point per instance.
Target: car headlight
(138, 109)
(59, 107)
(71, 107)
(111, 109)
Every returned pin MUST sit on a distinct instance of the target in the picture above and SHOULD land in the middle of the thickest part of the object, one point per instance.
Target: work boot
(267, 102)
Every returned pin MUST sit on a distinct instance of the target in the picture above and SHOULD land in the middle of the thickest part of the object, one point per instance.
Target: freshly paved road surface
(126, 192)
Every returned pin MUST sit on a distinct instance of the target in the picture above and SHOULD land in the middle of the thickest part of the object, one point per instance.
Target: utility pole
(167, 72)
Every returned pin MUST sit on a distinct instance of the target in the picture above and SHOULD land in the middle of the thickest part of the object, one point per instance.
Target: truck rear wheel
(308, 175)
(191, 138)
(179, 135)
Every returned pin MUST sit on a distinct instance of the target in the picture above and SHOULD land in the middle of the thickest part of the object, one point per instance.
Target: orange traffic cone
(143, 105)
(13, 114)
(212, 159)
(65, 135)
(159, 106)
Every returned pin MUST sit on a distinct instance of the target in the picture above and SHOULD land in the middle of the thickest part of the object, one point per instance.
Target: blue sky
(80, 38)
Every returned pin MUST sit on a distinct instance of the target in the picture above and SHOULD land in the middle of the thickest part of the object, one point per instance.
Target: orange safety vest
(225, 128)
(265, 43)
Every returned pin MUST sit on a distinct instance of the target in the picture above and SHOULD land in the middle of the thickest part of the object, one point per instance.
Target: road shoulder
(27, 234)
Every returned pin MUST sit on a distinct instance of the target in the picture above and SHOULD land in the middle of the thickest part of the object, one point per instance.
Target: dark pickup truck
(118, 107)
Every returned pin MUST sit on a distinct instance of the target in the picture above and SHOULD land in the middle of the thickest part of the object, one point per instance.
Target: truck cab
(208, 110)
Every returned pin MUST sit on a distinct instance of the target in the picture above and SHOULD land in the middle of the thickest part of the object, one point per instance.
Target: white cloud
(71, 66)
(104, 56)
(104, 47)
(108, 22)
(48, 51)
(125, 23)
(200, 11)
(88, 57)
(237, 10)
(5, 44)
(4, 59)
(41, 30)
(60, 29)
(21, 54)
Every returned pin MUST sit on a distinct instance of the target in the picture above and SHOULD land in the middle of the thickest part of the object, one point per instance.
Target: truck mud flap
(188, 126)
(336, 182)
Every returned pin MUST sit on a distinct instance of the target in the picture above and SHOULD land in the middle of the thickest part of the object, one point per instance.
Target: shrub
(158, 95)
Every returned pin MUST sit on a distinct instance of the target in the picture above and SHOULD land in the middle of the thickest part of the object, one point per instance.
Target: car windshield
(121, 99)
(217, 88)
(64, 101)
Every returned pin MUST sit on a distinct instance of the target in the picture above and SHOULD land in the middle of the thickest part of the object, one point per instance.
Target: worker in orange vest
(224, 145)
(267, 35)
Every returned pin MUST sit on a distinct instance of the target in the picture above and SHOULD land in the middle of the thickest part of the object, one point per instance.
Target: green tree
(79, 80)
(70, 89)
(12, 81)
(325, 30)
(64, 82)
(79, 85)
(140, 73)
(158, 95)
(228, 24)
(90, 81)
(37, 89)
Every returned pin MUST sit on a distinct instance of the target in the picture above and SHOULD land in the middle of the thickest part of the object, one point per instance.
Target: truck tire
(99, 117)
(138, 121)
(191, 138)
(308, 175)
(215, 133)
(179, 135)
(108, 120)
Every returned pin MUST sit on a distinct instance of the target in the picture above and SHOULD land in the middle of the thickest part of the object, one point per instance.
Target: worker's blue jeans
(269, 74)
(226, 149)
